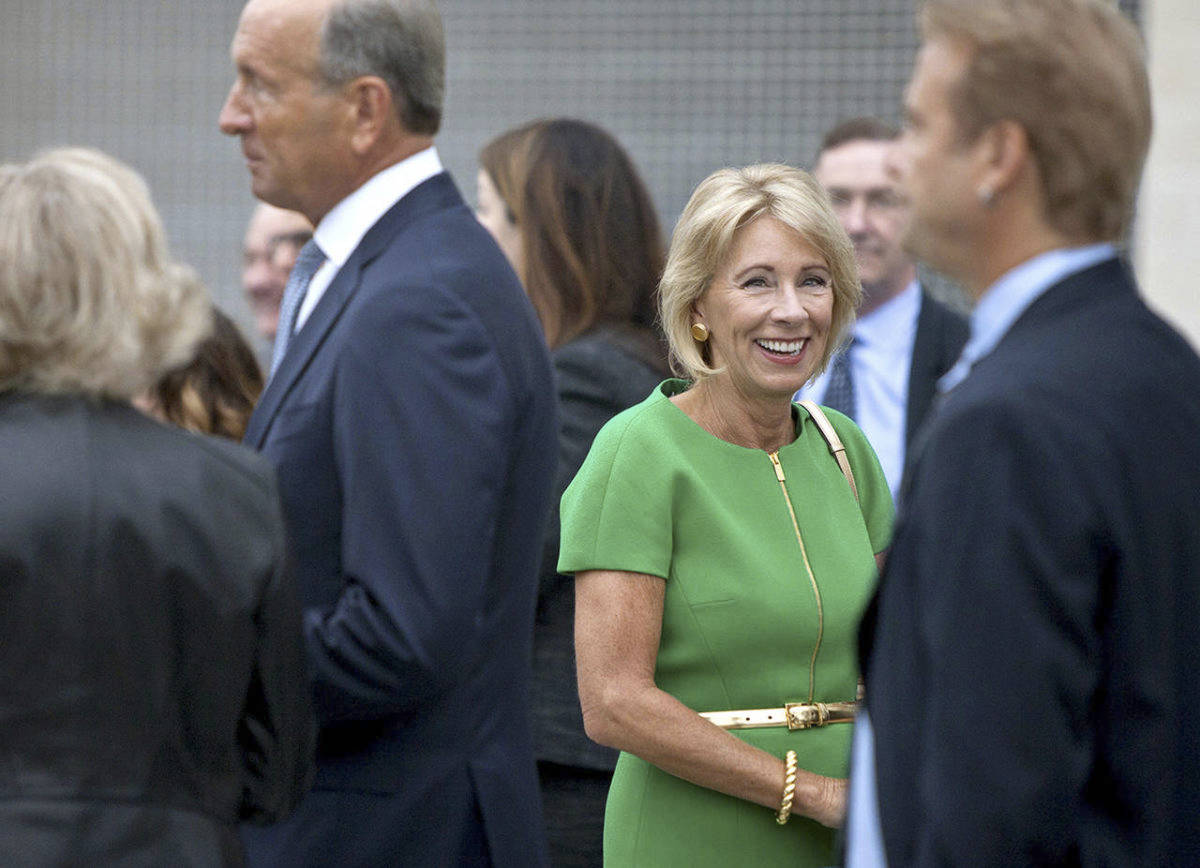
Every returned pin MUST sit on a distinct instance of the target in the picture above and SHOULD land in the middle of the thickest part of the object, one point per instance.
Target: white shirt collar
(1006, 299)
(340, 231)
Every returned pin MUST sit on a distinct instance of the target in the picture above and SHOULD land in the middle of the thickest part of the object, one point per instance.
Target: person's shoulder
(846, 428)
(939, 315)
(172, 460)
(237, 458)
(638, 430)
(222, 462)
(612, 358)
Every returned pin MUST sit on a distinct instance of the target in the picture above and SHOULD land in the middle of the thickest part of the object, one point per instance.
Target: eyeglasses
(280, 252)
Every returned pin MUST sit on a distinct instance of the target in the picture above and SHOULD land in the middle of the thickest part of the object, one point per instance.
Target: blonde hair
(725, 201)
(1072, 73)
(90, 301)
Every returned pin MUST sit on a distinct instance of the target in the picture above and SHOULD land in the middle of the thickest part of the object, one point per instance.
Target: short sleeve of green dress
(660, 495)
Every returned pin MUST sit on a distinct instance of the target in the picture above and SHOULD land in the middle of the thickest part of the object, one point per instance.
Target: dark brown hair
(217, 391)
(861, 129)
(591, 243)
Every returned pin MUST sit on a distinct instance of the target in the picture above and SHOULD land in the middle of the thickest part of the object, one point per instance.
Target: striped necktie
(308, 261)
(839, 394)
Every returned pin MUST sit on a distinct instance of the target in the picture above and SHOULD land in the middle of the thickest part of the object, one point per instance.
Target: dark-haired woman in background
(216, 392)
(566, 205)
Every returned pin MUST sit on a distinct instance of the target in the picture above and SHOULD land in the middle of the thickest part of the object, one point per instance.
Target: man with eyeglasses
(904, 339)
(273, 238)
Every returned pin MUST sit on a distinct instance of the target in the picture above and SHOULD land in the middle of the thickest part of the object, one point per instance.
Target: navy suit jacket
(413, 425)
(1030, 653)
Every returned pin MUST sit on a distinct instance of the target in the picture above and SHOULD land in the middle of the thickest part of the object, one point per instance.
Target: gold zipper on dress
(812, 665)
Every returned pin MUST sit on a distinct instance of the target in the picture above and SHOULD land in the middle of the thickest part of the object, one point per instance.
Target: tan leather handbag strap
(835, 442)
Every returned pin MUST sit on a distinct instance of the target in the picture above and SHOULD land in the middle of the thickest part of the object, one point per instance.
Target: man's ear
(371, 108)
(1006, 156)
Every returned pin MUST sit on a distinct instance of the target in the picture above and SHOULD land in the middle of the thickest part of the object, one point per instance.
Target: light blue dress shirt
(1008, 297)
(880, 366)
(1002, 303)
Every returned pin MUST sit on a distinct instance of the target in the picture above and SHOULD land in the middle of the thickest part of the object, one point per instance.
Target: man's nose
(258, 275)
(894, 161)
(854, 215)
(233, 119)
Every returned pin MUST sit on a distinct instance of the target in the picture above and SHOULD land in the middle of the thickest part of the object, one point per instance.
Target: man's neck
(385, 155)
(397, 151)
(999, 258)
(876, 295)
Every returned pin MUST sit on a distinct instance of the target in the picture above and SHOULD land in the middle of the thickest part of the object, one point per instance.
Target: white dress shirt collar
(341, 230)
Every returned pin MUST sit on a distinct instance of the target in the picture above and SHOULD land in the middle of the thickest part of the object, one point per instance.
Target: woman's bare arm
(618, 623)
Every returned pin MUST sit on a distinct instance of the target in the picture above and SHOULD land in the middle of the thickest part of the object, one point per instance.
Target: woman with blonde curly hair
(722, 554)
(151, 675)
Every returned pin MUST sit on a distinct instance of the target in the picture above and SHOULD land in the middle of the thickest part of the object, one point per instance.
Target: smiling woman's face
(768, 311)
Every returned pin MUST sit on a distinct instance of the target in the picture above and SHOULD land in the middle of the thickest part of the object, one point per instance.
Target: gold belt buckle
(806, 715)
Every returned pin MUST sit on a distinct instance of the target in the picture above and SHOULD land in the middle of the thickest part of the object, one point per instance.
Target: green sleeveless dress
(660, 495)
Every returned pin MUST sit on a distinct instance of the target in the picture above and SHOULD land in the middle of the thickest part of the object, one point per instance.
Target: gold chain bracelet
(789, 788)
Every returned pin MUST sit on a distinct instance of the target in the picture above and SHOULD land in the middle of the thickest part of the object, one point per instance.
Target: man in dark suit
(412, 420)
(1030, 656)
(904, 339)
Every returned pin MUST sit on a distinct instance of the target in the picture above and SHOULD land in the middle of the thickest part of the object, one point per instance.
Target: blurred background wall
(686, 85)
(1168, 227)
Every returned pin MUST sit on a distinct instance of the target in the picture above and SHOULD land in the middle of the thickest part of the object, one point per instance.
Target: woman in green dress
(722, 555)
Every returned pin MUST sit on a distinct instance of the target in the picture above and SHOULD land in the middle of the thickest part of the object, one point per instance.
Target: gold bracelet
(789, 788)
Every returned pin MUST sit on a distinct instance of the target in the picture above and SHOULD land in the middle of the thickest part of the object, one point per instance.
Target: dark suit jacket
(1030, 656)
(413, 425)
(598, 375)
(152, 686)
(941, 333)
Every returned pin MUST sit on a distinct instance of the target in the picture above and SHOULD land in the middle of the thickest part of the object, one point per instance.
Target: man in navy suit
(1031, 695)
(905, 340)
(412, 421)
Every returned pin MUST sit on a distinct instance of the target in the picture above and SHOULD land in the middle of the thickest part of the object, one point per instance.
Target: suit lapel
(939, 339)
(1083, 288)
(303, 347)
(432, 195)
(1110, 277)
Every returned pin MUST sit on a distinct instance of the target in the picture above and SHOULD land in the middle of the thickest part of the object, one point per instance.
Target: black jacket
(152, 689)
(597, 375)
(941, 333)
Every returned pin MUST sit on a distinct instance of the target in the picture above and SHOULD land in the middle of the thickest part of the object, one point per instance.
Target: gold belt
(794, 715)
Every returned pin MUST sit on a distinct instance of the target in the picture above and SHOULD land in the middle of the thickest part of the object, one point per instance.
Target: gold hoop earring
(700, 332)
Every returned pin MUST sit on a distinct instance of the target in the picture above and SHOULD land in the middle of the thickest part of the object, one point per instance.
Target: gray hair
(90, 301)
(401, 42)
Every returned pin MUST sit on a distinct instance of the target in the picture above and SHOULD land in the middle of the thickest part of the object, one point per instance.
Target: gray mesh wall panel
(686, 85)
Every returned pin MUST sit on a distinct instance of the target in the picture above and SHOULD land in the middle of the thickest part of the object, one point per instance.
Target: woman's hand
(618, 624)
(824, 801)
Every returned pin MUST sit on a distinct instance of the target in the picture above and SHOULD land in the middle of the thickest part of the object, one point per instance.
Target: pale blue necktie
(839, 394)
(308, 261)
